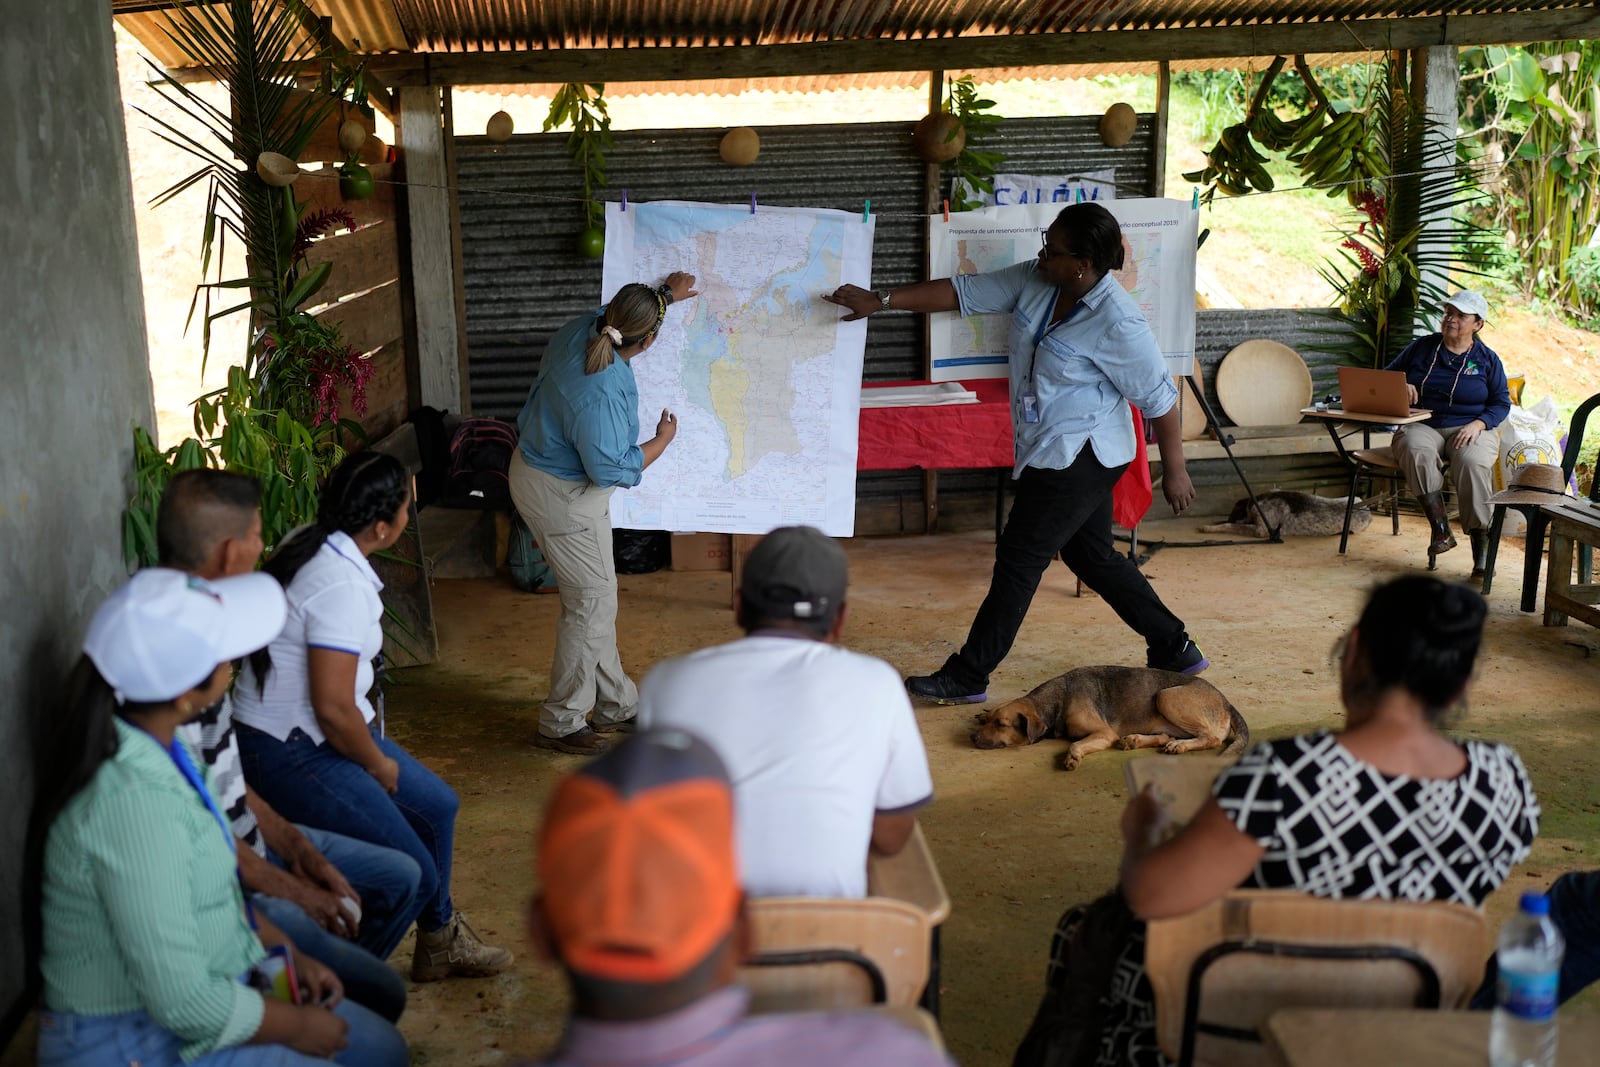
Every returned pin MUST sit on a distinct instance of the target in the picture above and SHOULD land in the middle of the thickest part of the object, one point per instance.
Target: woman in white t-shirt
(310, 738)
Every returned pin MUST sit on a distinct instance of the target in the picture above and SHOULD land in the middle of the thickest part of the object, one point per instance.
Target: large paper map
(1158, 272)
(763, 376)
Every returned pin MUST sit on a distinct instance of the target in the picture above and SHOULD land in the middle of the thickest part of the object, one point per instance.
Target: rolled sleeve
(143, 873)
(602, 435)
(1132, 361)
(994, 292)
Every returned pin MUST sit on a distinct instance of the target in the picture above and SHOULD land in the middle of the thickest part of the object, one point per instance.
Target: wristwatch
(666, 292)
(883, 297)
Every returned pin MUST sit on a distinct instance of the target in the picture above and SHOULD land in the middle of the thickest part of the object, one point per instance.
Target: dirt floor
(1017, 841)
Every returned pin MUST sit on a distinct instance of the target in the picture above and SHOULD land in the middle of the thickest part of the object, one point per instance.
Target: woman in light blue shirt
(142, 937)
(1081, 352)
(580, 434)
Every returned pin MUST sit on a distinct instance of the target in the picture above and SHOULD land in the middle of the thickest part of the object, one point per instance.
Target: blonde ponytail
(634, 314)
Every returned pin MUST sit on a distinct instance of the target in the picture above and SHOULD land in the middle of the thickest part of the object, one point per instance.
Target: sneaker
(1188, 660)
(455, 951)
(940, 689)
(626, 726)
(581, 742)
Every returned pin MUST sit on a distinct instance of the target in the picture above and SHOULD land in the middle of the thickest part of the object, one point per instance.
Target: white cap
(164, 632)
(1469, 302)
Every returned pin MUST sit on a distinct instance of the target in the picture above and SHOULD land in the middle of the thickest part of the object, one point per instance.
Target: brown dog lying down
(1129, 707)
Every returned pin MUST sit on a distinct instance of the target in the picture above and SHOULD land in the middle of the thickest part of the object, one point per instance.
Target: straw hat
(1533, 483)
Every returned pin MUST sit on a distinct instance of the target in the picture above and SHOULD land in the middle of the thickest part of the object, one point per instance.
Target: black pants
(1066, 512)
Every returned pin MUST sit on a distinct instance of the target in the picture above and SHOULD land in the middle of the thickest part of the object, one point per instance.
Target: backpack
(480, 457)
(529, 571)
(1088, 941)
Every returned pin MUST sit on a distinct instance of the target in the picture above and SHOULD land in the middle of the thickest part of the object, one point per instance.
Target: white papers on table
(915, 396)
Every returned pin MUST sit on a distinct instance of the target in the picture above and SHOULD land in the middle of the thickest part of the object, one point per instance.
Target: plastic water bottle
(1529, 954)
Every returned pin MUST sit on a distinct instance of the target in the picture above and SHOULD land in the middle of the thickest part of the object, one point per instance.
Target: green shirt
(142, 906)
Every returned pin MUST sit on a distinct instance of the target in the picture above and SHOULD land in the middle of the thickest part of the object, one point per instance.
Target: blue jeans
(386, 880)
(68, 1040)
(367, 980)
(317, 785)
(1575, 909)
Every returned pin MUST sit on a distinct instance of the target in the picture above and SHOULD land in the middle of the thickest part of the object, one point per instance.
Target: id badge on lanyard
(1030, 396)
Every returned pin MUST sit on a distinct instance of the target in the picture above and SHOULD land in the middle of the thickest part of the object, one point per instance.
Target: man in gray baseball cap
(820, 742)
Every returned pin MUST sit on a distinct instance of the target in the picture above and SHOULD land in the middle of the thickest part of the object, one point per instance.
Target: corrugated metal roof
(433, 26)
(521, 25)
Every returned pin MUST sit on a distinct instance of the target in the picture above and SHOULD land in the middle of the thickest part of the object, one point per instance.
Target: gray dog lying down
(1129, 707)
(1295, 515)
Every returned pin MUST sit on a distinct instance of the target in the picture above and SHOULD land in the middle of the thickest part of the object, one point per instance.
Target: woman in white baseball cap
(140, 933)
(1463, 382)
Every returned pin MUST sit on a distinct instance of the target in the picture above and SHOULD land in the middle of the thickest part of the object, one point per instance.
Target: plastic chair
(815, 953)
(1221, 971)
(1538, 525)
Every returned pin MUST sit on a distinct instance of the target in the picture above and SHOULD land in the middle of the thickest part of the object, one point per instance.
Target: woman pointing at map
(1081, 351)
(579, 441)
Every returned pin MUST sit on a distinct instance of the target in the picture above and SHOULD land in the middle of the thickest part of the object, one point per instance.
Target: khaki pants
(1420, 450)
(572, 522)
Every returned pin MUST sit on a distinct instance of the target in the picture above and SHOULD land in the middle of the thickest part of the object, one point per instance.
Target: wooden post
(1436, 80)
(1158, 160)
(428, 204)
(931, 198)
(457, 271)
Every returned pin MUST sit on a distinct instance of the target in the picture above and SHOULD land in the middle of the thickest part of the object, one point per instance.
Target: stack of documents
(912, 396)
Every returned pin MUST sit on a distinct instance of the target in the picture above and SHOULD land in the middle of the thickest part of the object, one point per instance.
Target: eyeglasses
(1458, 316)
(1048, 253)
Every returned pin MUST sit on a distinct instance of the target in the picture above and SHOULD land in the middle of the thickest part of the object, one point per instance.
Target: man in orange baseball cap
(640, 904)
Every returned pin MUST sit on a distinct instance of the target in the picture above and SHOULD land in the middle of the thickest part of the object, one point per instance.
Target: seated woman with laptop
(1463, 382)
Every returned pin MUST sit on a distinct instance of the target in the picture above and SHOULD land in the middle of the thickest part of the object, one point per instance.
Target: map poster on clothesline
(1158, 272)
(763, 375)
(1061, 190)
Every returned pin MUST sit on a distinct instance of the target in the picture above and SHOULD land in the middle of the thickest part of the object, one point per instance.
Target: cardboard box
(702, 552)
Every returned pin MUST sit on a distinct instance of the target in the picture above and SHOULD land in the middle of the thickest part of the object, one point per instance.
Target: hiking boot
(1188, 660)
(580, 742)
(942, 689)
(455, 951)
(626, 726)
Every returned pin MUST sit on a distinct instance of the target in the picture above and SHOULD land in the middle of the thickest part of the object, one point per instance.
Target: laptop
(1374, 392)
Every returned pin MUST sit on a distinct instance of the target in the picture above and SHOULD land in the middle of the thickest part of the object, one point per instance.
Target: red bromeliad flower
(1370, 264)
(318, 224)
(329, 372)
(1372, 206)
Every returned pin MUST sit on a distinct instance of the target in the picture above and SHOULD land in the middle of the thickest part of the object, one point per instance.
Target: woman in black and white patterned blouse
(1388, 808)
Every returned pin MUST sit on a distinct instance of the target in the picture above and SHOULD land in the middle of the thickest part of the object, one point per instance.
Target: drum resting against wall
(1263, 383)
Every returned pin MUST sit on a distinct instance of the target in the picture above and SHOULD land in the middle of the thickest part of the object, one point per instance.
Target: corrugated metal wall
(520, 215)
(524, 278)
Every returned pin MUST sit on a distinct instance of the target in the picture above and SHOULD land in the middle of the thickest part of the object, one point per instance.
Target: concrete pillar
(1436, 80)
(77, 381)
(422, 135)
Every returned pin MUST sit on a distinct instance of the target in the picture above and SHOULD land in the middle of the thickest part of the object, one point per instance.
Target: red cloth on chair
(964, 436)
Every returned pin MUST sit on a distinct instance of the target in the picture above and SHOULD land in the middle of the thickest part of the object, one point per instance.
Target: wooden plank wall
(363, 292)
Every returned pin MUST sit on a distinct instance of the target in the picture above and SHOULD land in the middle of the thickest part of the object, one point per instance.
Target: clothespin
(866, 211)
(1194, 201)
(752, 201)
(624, 200)
(947, 211)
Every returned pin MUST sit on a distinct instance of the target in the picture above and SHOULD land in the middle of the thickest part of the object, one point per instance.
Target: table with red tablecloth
(968, 436)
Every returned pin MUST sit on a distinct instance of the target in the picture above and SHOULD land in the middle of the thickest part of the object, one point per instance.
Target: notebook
(1374, 392)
